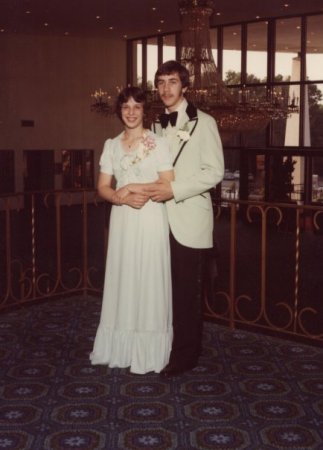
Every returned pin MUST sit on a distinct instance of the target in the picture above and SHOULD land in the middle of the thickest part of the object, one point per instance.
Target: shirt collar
(181, 107)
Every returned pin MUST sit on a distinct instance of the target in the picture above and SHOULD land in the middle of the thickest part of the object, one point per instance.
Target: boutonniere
(183, 133)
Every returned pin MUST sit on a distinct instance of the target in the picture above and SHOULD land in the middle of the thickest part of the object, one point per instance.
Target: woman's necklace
(132, 142)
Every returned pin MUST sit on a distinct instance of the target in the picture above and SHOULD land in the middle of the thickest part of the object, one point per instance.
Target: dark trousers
(187, 281)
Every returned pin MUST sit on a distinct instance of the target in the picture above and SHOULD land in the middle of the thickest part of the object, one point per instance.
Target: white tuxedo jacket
(198, 164)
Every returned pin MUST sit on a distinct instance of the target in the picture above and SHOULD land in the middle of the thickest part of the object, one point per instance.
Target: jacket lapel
(189, 125)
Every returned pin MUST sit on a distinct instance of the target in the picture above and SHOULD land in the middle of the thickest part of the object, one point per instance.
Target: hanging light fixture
(103, 103)
(246, 111)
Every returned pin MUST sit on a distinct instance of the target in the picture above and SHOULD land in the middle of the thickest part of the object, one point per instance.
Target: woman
(135, 327)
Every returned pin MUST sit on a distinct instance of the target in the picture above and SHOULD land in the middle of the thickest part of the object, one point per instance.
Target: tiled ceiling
(130, 18)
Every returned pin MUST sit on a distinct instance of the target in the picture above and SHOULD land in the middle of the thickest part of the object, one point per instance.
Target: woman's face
(132, 113)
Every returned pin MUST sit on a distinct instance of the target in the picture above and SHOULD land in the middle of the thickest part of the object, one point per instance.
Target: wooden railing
(267, 271)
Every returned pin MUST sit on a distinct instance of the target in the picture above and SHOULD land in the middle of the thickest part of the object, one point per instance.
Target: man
(198, 162)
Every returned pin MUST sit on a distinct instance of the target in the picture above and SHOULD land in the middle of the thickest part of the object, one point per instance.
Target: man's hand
(160, 191)
(135, 200)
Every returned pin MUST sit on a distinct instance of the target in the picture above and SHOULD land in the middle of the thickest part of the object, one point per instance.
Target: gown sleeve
(106, 163)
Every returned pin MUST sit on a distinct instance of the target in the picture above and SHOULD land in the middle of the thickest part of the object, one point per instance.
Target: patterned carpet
(249, 392)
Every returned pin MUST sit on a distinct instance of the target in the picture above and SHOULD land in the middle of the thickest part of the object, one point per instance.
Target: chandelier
(103, 103)
(240, 111)
(246, 111)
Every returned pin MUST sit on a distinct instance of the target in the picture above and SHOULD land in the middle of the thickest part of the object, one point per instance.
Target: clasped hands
(137, 195)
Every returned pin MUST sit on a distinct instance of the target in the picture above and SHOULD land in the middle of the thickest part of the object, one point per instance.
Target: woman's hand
(123, 192)
(136, 188)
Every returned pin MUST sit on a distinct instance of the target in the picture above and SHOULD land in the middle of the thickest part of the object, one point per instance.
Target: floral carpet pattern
(249, 391)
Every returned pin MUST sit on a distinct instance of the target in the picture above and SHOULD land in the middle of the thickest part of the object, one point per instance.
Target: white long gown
(135, 328)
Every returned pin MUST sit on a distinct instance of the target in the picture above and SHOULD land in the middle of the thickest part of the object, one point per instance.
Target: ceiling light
(98, 17)
(27, 12)
(110, 28)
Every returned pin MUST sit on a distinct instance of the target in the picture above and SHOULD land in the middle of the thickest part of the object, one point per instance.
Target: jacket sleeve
(209, 166)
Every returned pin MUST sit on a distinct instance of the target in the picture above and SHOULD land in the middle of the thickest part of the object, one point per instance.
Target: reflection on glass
(288, 46)
(285, 132)
(256, 138)
(317, 179)
(315, 102)
(232, 55)
(314, 49)
(169, 47)
(257, 52)
(230, 182)
(77, 169)
(152, 61)
(256, 177)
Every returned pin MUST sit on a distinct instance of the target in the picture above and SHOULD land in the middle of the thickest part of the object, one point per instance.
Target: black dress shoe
(172, 370)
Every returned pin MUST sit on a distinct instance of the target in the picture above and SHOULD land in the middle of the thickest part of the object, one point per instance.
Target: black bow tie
(171, 118)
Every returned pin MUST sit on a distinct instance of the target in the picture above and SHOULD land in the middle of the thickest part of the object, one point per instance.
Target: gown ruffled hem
(141, 351)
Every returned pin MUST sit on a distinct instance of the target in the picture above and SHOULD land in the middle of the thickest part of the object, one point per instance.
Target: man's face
(170, 90)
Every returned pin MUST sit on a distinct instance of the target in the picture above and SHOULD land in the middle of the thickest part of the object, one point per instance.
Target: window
(169, 47)
(39, 170)
(257, 52)
(280, 59)
(232, 55)
(288, 47)
(214, 44)
(314, 48)
(77, 169)
(152, 61)
(7, 171)
(137, 63)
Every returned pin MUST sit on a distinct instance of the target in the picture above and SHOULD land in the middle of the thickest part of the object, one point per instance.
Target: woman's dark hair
(169, 67)
(134, 92)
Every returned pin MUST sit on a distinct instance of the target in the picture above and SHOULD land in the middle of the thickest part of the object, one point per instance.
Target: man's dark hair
(169, 67)
(134, 92)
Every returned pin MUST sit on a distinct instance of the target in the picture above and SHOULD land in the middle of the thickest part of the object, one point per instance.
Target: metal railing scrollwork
(269, 268)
